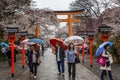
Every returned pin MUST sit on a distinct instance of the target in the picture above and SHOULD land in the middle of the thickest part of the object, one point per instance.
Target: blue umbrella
(101, 48)
(36, 40)
(4, 44)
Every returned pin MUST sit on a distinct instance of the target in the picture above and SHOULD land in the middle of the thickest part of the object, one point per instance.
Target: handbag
(101, 60)
(38, 61)
(77, 59)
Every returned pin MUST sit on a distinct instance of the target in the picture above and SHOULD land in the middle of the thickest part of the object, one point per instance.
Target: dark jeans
(9, 62)
(15, 59)
(34, 68)
(104, 72)
(4, 56)
(42, 53)
(30, 67)
(60, 66)
(72, 67)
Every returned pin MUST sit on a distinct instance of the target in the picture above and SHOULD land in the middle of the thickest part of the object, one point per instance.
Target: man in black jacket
(60, 55)
(9, 55)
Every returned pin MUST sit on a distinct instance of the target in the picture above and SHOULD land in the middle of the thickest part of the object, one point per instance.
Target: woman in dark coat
(33, 57)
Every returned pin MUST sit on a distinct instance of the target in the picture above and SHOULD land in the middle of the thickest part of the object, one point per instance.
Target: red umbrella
(54, 40)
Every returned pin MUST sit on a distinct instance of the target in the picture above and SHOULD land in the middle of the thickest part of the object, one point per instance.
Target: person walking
(42, 50)
(9, 56)
(15, 53)
(33, 61)
(60, 55)
(29, 53)
(70, 57)
(106, 70)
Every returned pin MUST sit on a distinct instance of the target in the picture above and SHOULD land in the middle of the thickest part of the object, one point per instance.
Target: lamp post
(37, 30)
(90, 38)
(12, 31)
(83, 36)
(23, 35)
(105, 32)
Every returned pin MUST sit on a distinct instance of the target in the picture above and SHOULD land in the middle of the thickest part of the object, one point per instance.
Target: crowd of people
(70, 55)
(6, 54)
(32, 56)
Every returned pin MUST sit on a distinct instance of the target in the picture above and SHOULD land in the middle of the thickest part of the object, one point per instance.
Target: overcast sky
(53, 4)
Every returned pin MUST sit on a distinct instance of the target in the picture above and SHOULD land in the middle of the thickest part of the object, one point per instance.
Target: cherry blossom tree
(93, 9)
(20, 13)
(111, 17)
(9, 9)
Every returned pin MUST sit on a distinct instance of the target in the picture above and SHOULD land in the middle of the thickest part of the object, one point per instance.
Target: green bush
(94, 49)
(95, 46)
(115, 48)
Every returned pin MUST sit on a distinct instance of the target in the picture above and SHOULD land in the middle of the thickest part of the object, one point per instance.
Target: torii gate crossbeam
(69, 19)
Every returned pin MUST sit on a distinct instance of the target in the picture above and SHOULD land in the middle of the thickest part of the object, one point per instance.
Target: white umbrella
(26, 40)
(75, 39)
(85, 45)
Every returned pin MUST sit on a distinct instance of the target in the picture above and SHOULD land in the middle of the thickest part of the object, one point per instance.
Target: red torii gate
(69, 19)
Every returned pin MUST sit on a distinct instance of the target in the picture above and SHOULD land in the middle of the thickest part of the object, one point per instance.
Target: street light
(23, 35)
(105, 32)
(83, 36)
(90, 38)
(12, 31)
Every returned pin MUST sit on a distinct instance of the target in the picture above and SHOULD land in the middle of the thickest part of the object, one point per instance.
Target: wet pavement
(48, 70)
(5, 70)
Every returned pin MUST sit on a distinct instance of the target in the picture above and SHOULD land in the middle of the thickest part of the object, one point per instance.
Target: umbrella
(54, 40)
(85, 45)
(36, 40)
(101, 48)
(4, 44)
(75, 39)
(26, 42)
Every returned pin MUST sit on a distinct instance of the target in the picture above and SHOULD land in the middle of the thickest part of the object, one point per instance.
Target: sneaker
(35, 77)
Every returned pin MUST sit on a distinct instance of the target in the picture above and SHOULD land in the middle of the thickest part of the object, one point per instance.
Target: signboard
(22, 33)
(105, 28)
(83, 35)
(90, 33)
(12, 29)
(30, 36)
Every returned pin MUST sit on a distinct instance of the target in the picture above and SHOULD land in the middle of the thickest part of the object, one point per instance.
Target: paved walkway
(48, 70)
